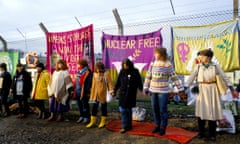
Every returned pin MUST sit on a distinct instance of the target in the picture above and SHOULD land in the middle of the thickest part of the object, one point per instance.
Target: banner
(70, 46)
(11, 60)
(138, 48)
(222, 38)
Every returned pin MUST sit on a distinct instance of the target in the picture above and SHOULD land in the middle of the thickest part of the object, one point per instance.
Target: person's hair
(41, 65)
(162, 52)
(206, 52)
(3, 66)
(64, 67)
(128, 63)
(100, 67)
(83, 62)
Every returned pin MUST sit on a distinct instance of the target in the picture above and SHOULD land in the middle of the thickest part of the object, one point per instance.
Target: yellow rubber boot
(102, 122)
(92, 122)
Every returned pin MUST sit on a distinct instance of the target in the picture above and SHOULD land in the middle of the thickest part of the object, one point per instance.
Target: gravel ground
(32, 131)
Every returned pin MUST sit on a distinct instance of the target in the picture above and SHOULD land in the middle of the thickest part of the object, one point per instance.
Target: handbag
(221, 85)
(195, 88)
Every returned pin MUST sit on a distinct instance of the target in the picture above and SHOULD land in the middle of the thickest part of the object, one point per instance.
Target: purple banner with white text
(138, 48)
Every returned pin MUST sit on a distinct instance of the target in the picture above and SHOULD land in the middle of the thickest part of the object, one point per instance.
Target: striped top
(158, 77)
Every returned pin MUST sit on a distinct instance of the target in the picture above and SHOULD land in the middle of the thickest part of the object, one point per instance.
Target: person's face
(80, 66)
(20, 68)
(125, 66)
(1, 69)
(60, 65)
(39, 69)
(157, 56)
(97, 70)
(204, 59)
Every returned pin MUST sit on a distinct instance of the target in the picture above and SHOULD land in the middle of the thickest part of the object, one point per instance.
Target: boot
(102, 122)
(212, 130)
(92, 122)
(201, 127)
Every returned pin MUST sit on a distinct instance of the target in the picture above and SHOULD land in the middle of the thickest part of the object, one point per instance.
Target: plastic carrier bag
(227, 124)
(138, 113)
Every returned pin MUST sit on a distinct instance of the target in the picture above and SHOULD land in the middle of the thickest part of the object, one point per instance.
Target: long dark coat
(127, 83)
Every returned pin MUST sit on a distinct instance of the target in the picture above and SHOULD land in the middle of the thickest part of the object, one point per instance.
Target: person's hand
(235, 94)
(11, 91)
(182, 93)
(113, 93)
(146, 92)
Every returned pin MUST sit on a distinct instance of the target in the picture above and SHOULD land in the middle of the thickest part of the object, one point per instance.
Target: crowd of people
(91, 87)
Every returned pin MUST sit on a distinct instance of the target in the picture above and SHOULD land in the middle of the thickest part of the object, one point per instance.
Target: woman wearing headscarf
(128, 82)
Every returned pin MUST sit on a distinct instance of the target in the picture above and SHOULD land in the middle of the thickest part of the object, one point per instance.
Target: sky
(19, 19)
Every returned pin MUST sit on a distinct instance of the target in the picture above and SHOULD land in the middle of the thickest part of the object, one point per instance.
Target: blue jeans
(126, 116)
(159, 106)
(83, 107)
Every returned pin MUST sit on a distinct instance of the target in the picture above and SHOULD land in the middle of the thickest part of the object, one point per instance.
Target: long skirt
(55, 106)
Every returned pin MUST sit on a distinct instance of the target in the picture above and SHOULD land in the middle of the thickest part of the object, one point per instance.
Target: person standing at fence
(21, 89)
(128, 81)
(60, 90)
(83, 89)
(159, 74)
(40, 93)
(101, 83)
(5, 84)
(208, 101)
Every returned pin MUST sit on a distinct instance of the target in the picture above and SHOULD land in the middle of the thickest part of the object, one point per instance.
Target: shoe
(156, 129)
(162, 131)
(50, 118)
(123, 130)
(6, 114)
(80, 120)
(59, 118)
(212, 138)
(86, 120)
(200, 136)
(20, 116)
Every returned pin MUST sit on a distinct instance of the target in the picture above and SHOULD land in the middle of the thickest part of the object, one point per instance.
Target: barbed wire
(143, 26)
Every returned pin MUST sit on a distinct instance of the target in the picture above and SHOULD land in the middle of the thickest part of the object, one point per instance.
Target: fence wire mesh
(39, 43)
